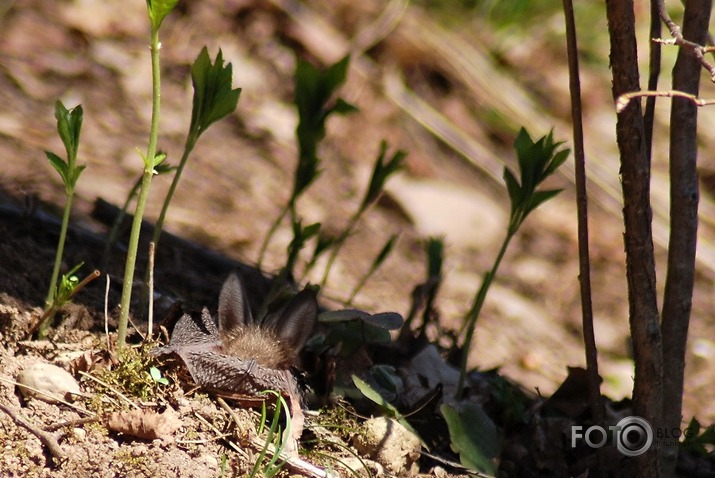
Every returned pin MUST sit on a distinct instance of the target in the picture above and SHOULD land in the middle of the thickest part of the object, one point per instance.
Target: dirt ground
(448, 93)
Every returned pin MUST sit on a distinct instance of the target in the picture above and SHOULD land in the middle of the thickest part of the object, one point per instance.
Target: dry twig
(47, 439)
(678, 40)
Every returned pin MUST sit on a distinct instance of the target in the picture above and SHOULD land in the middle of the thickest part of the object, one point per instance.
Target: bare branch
(47, 438)
(678, 40)
(623, 100)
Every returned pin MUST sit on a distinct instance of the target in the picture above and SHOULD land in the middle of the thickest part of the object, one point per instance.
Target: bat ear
(297, 320)
(233, 309)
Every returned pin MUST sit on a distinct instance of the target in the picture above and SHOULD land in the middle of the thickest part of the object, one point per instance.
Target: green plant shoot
(376, 263)
(272, 466)
(162, 168)
(69, 126)
(157, 10)
(537, 161)
(382, 170)
(214, 99)
(314, 99)
(300, 236)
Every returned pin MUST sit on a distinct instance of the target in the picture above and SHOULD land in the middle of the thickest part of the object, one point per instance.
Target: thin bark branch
(624, 100)
(684, 195)
(589, 336)
(637, 216)
(653, 74)
(688, 43)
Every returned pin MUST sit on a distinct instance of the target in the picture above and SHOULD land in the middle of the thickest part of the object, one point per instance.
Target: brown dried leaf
(146, 424)
(92, 360)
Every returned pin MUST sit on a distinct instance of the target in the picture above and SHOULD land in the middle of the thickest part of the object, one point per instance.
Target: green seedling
(214, 99)
(300, 236)
(315, 101)
(322, 245)
(155, 375)
(274, 437)
(381, 172)
(537, 161)
(384, 253)
(161, 169)
(157, 10)
(69, 125)
(425, 293)
(67, 287)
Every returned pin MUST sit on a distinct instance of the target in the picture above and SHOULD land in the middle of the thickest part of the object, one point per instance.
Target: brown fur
(259, 344)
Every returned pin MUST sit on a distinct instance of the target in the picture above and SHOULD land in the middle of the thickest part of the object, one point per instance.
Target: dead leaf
(145, 424)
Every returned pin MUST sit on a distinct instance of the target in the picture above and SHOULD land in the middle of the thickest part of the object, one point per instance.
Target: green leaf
(342, 315)
(158, 10)
(556, 162)
(342, 107)
(538, 198)
(300, 236)
(516, 195)
(314, 91)
(381, 172)
(75, 173)
(385, 251)
(214, 97)
(353, 334)
(158, 160)
(375, 396)
(435, 256)
(385, 320)
(388, 409)
(156, 376)
(69, 125)
(473, 435)
(60, 166)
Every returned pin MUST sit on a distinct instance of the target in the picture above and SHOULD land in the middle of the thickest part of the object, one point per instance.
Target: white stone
(389, 443)
(47, 382)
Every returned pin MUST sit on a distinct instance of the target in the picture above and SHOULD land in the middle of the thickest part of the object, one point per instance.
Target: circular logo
(634, 436)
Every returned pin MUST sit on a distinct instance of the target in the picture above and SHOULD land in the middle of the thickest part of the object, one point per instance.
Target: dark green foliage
(314, 98)
(701, 442)
(537, 161)
(214, 97)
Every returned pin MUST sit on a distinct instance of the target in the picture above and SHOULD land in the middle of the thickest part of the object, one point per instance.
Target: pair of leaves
(214, 97)
(537, 161)
(66, 286)
(69, 126)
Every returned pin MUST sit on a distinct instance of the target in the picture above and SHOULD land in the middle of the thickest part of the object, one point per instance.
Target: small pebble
(51, 382)
(389, 443)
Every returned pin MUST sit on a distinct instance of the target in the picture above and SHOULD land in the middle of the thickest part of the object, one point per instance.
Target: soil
(412, 91)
